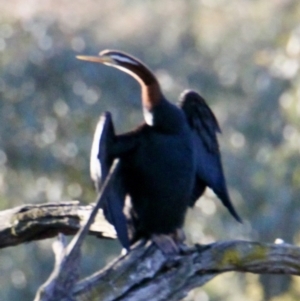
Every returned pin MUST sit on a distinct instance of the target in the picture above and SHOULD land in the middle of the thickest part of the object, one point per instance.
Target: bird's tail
(224, 197)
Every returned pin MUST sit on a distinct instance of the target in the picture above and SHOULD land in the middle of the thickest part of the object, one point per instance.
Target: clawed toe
(166, 244)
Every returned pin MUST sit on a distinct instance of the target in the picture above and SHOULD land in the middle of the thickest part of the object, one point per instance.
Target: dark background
(242, 55)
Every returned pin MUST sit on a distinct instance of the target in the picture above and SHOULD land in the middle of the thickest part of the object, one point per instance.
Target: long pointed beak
(96, 59)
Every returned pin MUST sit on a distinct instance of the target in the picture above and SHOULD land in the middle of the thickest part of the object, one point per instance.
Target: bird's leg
(172, 243)
(179, 236)
(165, 243)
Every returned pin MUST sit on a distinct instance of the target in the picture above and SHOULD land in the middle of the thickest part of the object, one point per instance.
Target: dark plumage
(165, 164)
(209, 171)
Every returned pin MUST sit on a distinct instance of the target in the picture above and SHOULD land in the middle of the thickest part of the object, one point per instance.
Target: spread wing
(100, 163)
(209, 171)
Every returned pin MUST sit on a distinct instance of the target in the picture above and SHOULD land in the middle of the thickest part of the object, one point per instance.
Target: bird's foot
(179, 238)
(166, 244)
(171, 244)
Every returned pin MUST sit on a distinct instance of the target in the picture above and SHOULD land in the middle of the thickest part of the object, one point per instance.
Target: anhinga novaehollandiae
(166, 163)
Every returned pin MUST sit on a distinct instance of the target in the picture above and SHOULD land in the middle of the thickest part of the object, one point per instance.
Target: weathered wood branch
(146, 274)
(67, 258)
(33, 222)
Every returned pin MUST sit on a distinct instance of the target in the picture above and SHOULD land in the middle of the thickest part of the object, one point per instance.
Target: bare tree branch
(147, 274)
(67, 258)
(34, 222)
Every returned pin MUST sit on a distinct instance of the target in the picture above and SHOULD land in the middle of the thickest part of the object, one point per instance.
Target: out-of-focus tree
(243, 56)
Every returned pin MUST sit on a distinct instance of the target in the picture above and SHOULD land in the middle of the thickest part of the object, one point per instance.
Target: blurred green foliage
(243, 56)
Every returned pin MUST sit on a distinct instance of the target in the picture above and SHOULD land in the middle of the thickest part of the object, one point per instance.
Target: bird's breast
(162, 166)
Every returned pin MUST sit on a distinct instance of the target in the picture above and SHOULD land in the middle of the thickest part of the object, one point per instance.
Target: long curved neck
(151, 92)
(151, 95)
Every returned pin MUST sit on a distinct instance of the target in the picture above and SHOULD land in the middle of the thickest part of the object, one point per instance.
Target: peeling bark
(146, 274)
(34, 222)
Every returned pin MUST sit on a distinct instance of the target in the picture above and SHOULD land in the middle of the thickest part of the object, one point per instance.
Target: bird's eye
(123, 59)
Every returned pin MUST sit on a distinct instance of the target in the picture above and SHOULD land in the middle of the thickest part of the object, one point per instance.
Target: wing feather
(100, 163)
(209, 171)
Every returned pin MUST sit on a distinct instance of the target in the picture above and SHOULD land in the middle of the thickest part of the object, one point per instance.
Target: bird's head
(122, 61)
(151, 93)
(114, 58)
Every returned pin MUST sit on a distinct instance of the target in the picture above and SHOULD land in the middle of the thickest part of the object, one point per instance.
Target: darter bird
(165, 164)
